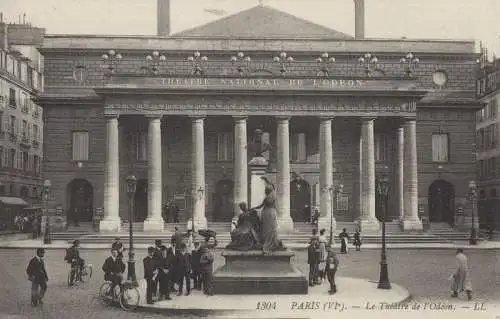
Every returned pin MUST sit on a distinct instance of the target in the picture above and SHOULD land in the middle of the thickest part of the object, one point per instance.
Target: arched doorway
(223, 201)
(300, 200)
(80, 201)
(442, 202)
(25, 193)
(141, 200)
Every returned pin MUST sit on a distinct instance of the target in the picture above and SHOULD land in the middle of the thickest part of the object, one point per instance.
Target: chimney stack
(163, 18)
(359, 19)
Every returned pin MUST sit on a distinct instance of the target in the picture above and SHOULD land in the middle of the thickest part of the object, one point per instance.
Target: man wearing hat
(73, 256)
(118, 246)
(150, 271)
(37, 274)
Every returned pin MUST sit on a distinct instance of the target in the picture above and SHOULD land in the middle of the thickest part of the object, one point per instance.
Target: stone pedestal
(253, 272)
(109, 225)
(257, 167)
(411, 224)
(154, 225)
(369, 225)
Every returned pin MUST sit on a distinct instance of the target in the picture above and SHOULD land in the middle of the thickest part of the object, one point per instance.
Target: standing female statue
(269, 220)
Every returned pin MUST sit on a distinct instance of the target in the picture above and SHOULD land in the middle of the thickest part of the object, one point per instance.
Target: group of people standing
(170, 268)
(322, 260)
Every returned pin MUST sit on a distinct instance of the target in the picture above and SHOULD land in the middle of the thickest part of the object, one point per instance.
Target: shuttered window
(225, 146)
(80, 146)
(298, 147)
(440, 147)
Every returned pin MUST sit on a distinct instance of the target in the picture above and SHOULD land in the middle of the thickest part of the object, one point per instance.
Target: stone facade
(80, 97)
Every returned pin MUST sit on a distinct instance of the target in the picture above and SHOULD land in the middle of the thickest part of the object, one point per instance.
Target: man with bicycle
(73, 257)
(113, 269)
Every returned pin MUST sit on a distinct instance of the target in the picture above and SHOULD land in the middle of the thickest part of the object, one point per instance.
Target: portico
(363, 101)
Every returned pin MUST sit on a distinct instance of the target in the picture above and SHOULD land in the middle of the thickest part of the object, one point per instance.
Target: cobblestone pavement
(424, 273)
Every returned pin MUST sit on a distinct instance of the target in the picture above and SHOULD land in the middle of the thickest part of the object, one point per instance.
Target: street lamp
(369, 62)
(46, 191)
(383, 192)
(336, 192)
(154, 60)
(324, 60)
(283, 60)
(410, 62)
(131, 187)
(111, 60)
(473, 198)
(243, 62)
(198, 62)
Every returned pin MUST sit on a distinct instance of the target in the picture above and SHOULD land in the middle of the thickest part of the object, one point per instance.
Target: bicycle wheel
(106, 294)
(71, 276)
(129, 298)
(86, 273)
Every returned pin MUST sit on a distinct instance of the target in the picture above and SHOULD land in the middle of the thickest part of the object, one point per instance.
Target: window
(35, 76)
(440, 147)
(80, 146)
(24, 72)
(12, 190)
(12, 126)
(25, 129)
(141, 146)
(36, 164)
(2, 124)
(25, 161)
(12, 158)
(25, 102)
(343, 202)
(35, 132)
(298, 147)
(225, 146)
(12, 97)
(381, 147)
(10, 64)
(36, 110)
(1, 156)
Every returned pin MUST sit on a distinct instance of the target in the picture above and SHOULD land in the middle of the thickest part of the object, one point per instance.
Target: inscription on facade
(260, 83)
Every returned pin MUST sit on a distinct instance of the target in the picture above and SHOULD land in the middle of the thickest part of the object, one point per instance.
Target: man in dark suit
(177, 240)
(164, 266)
(183, 269)
(118, 246)
(195, 266)
(113, 269)
(313, 260)
(150, 271)
(37, 274)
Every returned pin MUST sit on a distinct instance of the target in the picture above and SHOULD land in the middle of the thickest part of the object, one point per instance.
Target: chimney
(163, 18)
(359, 19)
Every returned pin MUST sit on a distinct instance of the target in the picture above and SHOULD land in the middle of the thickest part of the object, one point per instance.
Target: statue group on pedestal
(254, 232)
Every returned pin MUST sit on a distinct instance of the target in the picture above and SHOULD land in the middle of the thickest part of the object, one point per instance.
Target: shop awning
(13, 201)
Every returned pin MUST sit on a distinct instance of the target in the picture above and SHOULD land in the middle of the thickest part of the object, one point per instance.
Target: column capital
(154, 116)
(407, 119)
(283, 118)
(196, 117)
(326, 118)
(111, 116)
(368, 118)
(237, 118)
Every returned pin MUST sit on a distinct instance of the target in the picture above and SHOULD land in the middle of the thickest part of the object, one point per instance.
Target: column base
(285, 225)
(369, 225)
(324, 222)
(199, 224)
(411, 224)
(110, 226)
(154, 225)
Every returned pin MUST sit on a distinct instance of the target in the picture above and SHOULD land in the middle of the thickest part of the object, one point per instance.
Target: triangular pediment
(263, 22)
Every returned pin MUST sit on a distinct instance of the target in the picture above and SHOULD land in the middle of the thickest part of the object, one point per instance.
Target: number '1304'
(266, 305)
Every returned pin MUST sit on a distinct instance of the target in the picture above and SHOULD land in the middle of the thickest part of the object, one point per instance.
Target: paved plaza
(423, 272)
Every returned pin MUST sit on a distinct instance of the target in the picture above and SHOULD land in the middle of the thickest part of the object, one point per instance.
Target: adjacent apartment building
(488, 145)
(21, 120)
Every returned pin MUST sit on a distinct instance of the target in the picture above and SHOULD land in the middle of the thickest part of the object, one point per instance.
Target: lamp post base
(131, 269)
(473, 237)
(384, 282)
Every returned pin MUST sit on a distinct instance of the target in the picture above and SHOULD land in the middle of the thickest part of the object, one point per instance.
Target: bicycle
(128, 294)
(76, 273)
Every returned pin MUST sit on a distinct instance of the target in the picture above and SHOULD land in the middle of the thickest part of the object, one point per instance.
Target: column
(198, 173)
(326, 173)
(410, 218)
(283, 174)
(154, 221)
(400, 171)
(111, 220)
(367, 220)
(240, 164)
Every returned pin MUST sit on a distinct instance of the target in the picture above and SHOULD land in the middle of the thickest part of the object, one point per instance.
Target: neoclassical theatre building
(178, 111)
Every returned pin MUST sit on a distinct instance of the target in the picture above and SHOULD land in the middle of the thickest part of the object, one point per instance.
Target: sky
(435, 19)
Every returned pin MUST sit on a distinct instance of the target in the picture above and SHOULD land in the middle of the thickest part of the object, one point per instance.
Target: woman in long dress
(269, 221)
(461, 277)
(322, 255)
